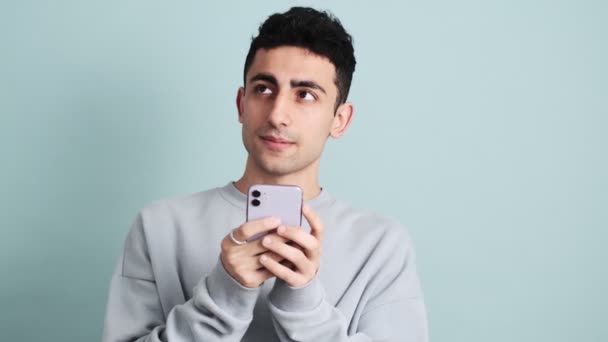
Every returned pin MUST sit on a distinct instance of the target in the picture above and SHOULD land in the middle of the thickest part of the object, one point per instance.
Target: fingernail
(266, 241)
(281, 229)
(263, 258)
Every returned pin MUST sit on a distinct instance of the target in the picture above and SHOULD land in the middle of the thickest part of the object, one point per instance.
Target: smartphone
(283, 201)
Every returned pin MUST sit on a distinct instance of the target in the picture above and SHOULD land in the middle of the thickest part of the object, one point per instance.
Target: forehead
(290, 63)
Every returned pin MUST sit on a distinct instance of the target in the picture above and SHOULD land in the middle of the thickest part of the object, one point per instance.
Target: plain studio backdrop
(480, 125)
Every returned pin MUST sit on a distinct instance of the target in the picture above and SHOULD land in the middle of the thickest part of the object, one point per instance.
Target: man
(188, 272)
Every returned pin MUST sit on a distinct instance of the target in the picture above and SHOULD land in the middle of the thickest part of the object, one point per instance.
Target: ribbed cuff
(305, 298)
(229, 294)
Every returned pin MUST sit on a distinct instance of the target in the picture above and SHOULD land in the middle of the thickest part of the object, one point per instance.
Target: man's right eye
(262, 89)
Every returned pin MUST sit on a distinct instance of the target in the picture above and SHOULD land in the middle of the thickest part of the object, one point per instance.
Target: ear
(239, 103)
(344, 115)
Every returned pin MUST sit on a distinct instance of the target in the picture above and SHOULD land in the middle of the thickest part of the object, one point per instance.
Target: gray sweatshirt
(169, 284)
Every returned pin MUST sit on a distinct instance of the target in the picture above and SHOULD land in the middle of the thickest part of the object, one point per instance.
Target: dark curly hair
(317, 31)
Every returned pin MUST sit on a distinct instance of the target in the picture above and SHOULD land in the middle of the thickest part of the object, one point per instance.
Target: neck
(306, 179)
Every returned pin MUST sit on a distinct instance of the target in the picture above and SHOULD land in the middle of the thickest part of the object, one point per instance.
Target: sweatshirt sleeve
(220, 309)
(393, 309)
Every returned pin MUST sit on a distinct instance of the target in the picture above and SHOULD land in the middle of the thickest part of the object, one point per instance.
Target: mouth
(276, 142)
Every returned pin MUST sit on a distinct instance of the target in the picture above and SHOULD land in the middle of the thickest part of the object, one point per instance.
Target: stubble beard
(274, 165)
(265, 161)
(271, 164)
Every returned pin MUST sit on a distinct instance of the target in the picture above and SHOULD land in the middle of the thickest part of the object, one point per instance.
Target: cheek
(317, 133)
(251, 112)
(256, 103)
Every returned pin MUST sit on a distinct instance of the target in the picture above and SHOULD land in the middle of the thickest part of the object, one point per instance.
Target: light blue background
(481, 125)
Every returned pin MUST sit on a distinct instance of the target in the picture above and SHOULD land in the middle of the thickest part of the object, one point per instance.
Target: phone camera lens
(255, 202)
(255, 193)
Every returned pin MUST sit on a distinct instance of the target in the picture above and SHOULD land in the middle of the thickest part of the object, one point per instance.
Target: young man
(187, 272)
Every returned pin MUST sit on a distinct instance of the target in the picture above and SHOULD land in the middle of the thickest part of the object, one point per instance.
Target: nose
(279, 113)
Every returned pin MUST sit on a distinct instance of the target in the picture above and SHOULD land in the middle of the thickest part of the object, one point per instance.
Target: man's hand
(305, 255)
(242, 261)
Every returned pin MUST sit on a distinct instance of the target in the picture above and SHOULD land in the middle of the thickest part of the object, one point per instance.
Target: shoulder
(367, 220)
(162, 228)
(368, 227)
(178, 206)
(380, 245)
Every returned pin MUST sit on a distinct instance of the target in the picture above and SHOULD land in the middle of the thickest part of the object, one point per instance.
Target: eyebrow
(294, 83)
(307, 84)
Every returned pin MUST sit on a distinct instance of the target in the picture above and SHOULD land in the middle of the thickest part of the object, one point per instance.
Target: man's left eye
(306, 95)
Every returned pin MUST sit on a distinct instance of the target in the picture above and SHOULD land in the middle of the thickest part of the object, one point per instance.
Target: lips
(275, 139)
(275, 142)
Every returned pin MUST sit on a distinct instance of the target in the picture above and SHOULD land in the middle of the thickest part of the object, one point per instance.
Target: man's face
(287, 109)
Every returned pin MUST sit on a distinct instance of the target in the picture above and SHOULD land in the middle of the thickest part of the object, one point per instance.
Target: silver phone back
(283, 201)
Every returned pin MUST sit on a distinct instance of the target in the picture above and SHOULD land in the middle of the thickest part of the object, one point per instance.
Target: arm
(220, 310)
(396, 312)
(393, 307)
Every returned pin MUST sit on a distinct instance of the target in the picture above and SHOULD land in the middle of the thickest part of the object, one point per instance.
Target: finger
(290, 253)
(242, 265)
(241, 253)
(248, 229)
(237, 263)
(282, 272)
(300, 237)
(288, 264)
(256, 248)
(272, 255)
(314, 221)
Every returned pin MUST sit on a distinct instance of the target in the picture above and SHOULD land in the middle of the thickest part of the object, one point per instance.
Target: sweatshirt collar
(234, 196)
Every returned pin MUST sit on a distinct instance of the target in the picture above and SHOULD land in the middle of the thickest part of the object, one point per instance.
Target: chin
(277, 168)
